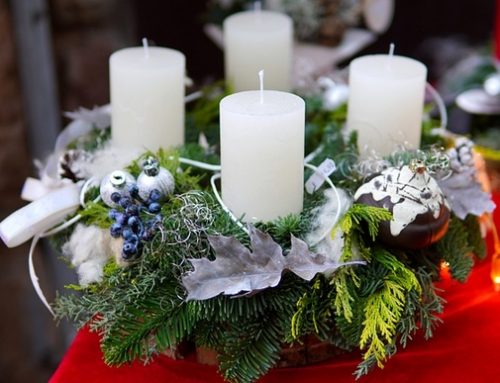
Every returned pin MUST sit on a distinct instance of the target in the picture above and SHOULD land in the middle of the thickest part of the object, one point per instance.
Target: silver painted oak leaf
(237, 269)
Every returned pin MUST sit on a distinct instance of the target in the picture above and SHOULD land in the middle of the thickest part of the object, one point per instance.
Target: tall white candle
(256, 40)
(262, 154)
(147, 97)
(386, 99)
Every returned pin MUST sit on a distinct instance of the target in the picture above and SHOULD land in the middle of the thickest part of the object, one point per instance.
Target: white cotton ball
(90, 271)
(88, 249)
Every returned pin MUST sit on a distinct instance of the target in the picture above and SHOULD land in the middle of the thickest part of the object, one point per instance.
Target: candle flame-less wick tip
(391, 49)
(261, 82)
(146, 47)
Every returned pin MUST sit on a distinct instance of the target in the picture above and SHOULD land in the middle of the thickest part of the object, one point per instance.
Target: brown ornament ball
(420, 211)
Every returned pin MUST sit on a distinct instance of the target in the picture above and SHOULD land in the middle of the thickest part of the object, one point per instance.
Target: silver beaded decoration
(116, 181)
(153, 176)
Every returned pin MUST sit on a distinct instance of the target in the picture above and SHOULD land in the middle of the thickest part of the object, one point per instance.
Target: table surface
(464, 349)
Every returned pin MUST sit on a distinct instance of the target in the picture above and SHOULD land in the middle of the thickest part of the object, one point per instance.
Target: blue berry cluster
(128, 223)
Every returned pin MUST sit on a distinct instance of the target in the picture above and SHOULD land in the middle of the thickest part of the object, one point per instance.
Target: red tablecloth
(465, 349)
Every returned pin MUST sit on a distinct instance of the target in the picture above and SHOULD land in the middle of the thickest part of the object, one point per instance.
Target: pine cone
(70, 165)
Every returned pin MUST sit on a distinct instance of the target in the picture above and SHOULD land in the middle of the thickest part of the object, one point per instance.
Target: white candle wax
(256, 40)
(262, 154)
(386, 99)
(147, 97)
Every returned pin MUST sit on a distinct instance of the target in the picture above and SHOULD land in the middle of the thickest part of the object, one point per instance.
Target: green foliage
(251, 349)
(474, 236)
(370, 215)
(346, 282)
(354, 223)
(140, 310)
(203, 115)
(282, 228)
(456, 249)
(96, 213)
(95, 140)
(313, 309)
(384, 307)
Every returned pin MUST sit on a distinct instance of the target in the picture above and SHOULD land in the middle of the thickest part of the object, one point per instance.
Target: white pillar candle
(147, 97)
(262, 154)
(256, 40)
(386, 99)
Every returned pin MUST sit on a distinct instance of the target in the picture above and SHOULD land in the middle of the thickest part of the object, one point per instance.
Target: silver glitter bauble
(153, 176)
(116, 181)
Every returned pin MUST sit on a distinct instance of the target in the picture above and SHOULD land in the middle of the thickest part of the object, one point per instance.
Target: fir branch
(430, 303)
(456, 250)
(369, 363)
(251, 349)
(474, 237)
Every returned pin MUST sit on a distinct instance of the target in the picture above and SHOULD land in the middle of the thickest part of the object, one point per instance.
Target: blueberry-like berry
(115, 230)
(125, 202)
(134, 239)
(154, 207)
(135, 224)
(133, 190)
(127, 233)
(115, 197)
(155, 195)
(132, 210)
(128, 222)
(147, 235)
(120, 218)
(129, 250)
(133, 221)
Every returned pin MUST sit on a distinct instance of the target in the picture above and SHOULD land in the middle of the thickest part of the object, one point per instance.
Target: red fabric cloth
(464, 349)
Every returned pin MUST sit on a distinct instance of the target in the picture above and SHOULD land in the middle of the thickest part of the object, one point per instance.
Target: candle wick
(261, 81)
(391, 55)
(391, 50)
(146, 47)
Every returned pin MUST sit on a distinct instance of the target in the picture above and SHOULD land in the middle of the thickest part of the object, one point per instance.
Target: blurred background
(54, 58)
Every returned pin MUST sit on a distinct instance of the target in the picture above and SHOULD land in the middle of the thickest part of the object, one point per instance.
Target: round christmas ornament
(115, 185)
(420, 211)
(154, 177)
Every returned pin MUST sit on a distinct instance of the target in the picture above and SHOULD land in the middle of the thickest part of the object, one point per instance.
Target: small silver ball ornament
(153, 176)
(116, 181)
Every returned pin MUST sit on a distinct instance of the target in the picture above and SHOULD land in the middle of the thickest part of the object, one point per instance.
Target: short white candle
(147, 97)
(386, 99)
(262, 154)
(256, 40)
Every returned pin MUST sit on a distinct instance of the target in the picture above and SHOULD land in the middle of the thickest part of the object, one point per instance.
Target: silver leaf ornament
(237, 269)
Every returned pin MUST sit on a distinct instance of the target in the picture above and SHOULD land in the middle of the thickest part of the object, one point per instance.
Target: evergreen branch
(370, 215)
(251, 349)
(456, 250)
(384, 308)
(475, 239)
